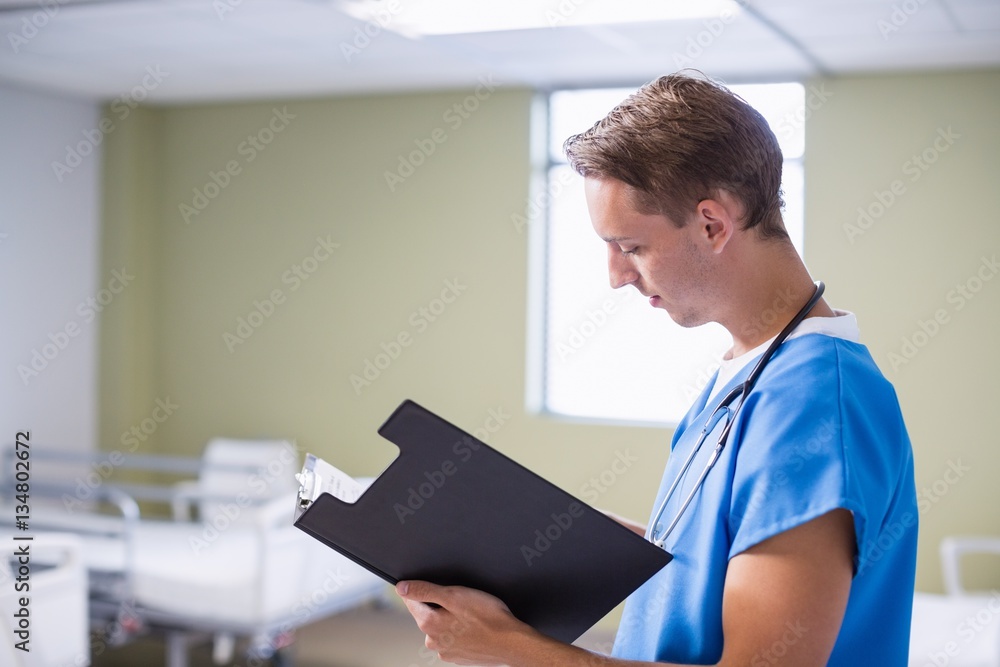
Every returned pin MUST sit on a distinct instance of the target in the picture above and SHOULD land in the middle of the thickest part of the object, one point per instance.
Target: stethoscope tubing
(739, 392)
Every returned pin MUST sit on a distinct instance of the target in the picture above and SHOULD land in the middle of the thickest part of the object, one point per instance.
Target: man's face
(664, 262)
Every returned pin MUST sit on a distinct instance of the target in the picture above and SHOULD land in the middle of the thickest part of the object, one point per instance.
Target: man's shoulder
(826, 357)
(824, 374)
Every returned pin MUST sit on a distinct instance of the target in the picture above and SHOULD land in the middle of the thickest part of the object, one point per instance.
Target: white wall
(49, 264)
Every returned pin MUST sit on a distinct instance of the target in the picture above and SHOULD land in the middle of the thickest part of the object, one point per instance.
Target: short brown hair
(680, 139)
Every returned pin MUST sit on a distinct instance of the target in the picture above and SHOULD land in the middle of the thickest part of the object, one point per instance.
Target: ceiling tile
(270, 48)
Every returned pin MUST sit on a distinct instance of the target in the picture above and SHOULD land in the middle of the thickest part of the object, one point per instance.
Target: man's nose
(620, 270)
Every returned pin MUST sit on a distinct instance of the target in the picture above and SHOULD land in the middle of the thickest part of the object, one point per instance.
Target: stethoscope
(725, 409)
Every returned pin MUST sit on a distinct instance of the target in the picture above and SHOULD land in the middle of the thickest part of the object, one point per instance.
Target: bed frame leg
(223, 646)
(177, 649)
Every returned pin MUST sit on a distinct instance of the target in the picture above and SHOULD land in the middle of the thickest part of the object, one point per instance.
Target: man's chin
(686, 320)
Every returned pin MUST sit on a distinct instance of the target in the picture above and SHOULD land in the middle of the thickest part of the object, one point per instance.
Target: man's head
(680, 140)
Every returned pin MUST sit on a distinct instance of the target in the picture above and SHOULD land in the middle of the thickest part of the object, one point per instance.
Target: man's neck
(767, 300)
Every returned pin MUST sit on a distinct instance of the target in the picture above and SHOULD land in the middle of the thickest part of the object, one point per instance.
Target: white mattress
(227, 582)
(958, 631)
(239, 576)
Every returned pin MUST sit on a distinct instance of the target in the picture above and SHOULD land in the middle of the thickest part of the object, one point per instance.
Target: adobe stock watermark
(420, 320)
(775, 653)
(900, 15)
(535, 207)
(966, 630)
(227, 514)
(454, 117)
(88, 310)
(307, 606)
(248, 149)
(662, 595)
(560, 14)
(915, 168)
(363, 35)
(927, 497)
(31, 25)
(794, 121)
(697, 44)
(818, 444)
(958, 298)
(101, 471)
(127, 623)
(444, 642)
(224, 8)
(263, 647)
(121, 108)
(782, 305)
(422, 492)
(545, 537)
(780, 310)
(588, 326)
(694, 388)
(598, 485)
(294, 276)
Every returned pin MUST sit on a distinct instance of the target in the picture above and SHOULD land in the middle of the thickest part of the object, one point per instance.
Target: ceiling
(213, 50)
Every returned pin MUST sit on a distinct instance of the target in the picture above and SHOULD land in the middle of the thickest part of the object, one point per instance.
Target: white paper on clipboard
(318, 477)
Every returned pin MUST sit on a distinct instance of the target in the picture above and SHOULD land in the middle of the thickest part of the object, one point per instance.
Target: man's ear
(716, 221)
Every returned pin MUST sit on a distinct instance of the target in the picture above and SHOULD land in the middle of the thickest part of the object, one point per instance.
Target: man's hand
(636, 528)
(784, 597)
(468, 627)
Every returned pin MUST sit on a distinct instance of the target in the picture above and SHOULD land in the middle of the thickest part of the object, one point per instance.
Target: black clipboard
(453, 511)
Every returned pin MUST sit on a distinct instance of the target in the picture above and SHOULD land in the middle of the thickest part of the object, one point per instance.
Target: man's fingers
(417, 609)
(421, 591)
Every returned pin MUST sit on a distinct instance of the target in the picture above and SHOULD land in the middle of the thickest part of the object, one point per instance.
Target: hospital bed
(224, 564)
(960, 628)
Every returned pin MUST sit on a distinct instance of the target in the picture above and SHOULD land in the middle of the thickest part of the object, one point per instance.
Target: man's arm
(783, 603)
(635, 527)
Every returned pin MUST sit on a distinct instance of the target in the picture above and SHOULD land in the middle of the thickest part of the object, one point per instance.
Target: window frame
(538, 226)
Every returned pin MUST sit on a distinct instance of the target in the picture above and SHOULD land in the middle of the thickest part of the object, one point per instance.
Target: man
(799, 546)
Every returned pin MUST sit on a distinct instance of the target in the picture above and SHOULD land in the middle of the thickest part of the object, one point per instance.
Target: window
(605, 354)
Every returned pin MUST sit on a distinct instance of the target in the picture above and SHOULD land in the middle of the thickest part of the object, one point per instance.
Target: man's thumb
(422, 591)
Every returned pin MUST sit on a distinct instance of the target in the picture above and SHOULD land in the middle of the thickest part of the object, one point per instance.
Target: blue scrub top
(821, 430)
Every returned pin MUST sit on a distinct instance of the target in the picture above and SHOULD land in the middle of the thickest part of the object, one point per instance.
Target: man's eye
(631, 251)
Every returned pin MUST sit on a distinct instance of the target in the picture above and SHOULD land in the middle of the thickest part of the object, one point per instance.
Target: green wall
(905, 267)
(322, 176)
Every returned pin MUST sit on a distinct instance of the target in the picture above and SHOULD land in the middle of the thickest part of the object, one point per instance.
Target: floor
(366, 637)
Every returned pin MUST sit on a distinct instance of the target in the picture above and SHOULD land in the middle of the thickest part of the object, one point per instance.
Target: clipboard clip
(306, 480)
(319, 477)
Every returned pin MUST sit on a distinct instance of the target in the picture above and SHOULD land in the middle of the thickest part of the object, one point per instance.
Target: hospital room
(404, 333)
